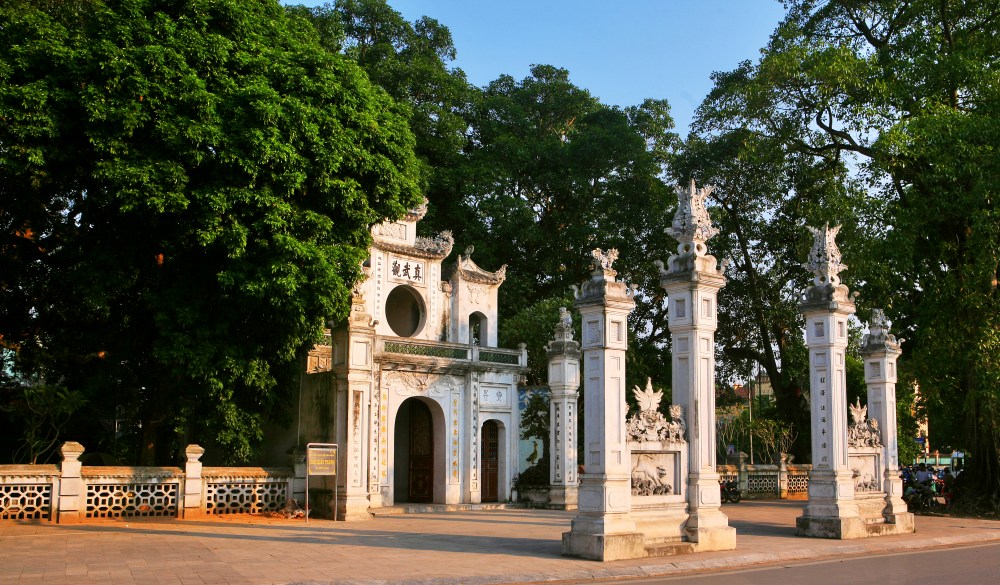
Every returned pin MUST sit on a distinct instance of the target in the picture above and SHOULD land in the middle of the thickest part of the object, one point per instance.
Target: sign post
(321, 459)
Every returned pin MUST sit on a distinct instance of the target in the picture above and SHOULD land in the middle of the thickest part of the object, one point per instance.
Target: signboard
(321, 460)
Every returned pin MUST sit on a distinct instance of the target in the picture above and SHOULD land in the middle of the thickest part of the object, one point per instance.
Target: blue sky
(622, 51)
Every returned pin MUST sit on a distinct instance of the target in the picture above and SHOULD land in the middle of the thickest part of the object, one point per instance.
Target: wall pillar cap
(71, 450)
(194, 452)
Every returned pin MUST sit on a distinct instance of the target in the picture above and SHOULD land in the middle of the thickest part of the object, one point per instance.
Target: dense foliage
(904, 96)
(186, 194)
(186, 190)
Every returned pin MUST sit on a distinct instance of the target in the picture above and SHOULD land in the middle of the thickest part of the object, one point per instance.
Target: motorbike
(730, 491)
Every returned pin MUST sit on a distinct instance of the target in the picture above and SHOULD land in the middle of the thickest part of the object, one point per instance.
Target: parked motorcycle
(730, 491)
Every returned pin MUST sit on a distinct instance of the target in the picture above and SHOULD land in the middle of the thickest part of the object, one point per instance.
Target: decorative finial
(603, 261)
(692, 226)
(879, 322)
(564, 327)
(565, 318)
(878, 337)
(824, 258)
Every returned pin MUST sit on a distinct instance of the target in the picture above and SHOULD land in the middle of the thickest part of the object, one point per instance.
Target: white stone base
(563, 497)
(353, 507)
(842, 528)
(714, 538)
(901, 523)
(660, 522)
(709, 529)
(604, 547)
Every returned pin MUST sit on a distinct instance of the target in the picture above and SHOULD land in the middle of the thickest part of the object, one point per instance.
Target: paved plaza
(474, 547)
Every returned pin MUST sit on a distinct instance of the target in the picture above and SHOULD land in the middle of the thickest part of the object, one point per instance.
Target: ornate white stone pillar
(603, 529)
(879, 350)
(353, 500)
(564, 384)
(832, 511)
(692, 282)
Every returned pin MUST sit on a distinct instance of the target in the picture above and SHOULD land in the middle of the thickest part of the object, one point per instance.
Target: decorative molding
(863, 431)
(649, 423)
(824, 257)
(436, 248)
(651, 475)
(692, 226)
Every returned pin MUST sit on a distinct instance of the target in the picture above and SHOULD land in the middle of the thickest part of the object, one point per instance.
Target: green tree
(410, 61)
(187, 190)
(763, 193)
(905, 92)
(551, 174)
(534, 326)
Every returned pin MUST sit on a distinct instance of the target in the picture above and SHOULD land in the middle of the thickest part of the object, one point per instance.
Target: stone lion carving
(648, 478)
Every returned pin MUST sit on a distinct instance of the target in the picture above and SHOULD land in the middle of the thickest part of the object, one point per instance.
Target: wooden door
(491, 462)
(421, 488)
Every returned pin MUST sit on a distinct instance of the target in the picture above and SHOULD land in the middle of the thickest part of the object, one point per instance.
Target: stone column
(832, 511)
(603, 529)
(353, 499)
(879, 350)
(692, 282)
(194, 505)
(564, 384)
(72, 491)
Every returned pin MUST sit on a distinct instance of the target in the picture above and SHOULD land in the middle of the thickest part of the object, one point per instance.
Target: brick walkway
(496, 546)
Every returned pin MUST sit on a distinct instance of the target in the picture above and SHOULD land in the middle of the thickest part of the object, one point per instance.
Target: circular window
(404, 311)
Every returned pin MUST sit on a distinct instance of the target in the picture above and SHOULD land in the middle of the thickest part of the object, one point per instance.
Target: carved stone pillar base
(710, 530)
(662, 522)
(831, 527)
(353, 507)
(593, 540)
(903, 522)
(563, 497)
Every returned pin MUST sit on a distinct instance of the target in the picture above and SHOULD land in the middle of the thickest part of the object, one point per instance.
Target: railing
(71, 492)
(798, 480)
(26, 491)
(114, 492)
(452, 351)
(245, 490)
(767, 481)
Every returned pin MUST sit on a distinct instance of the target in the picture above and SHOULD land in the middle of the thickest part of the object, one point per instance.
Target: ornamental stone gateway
(659, 452)
(850, 489)
(603, 529)
(412, 387)
(879, 350)
(692, 281)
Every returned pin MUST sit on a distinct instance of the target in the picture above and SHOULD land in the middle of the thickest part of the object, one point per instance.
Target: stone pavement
(473, 547)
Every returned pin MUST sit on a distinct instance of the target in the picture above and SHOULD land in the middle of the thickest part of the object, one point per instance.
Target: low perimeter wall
(71, 492)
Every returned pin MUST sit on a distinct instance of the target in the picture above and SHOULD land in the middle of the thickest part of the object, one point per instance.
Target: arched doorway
(413, 478)
(490, 458)
(478, 324)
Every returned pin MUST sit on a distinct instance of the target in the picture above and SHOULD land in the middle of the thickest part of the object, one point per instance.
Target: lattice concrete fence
(70, 492)
(784, 480)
